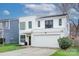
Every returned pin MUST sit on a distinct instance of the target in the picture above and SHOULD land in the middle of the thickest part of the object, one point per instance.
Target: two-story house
(43, 31)
(9, 30)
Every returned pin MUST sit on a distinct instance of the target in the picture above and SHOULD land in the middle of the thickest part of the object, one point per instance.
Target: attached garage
(45, 40)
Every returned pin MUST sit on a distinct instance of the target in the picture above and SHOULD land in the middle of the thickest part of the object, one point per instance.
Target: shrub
(64, 42)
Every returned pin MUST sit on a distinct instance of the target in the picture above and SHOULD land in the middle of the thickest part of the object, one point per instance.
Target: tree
(72, 10)
(76, 26)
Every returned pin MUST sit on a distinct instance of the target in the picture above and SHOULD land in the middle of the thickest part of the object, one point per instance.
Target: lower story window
(22, 38)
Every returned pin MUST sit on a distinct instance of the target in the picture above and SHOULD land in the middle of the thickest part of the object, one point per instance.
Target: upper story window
(22, 25)
(49, 24)
(38, 23)
(7, 25)
(30, 24)
(60, 22)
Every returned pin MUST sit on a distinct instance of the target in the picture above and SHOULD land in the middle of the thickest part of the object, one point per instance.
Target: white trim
(46, 34)
(22, 43)
(9, 24)
(20, 25)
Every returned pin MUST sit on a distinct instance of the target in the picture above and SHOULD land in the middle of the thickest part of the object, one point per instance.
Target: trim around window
(30, 24)
(38, 23)
(48, 23)
(8, 24)
(22, 38)
(60, 22)
(22, 25)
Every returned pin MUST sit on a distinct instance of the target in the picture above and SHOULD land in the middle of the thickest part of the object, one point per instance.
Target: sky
(16, 10)
(9, 10)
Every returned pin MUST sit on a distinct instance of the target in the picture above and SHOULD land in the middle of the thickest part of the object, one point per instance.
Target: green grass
(9, 47)
(68, 52)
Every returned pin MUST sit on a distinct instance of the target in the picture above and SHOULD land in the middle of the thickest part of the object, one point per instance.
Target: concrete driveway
(29, 51)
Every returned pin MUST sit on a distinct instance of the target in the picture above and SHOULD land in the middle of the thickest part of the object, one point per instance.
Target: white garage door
(45, 40)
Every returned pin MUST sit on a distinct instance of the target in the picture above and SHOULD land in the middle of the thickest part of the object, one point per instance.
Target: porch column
(26, 39)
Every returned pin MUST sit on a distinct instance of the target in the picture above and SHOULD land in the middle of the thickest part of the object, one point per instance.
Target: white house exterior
(43, 31)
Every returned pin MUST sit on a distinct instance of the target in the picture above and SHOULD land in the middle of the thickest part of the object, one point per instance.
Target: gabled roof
(52, 16)
(7, 19)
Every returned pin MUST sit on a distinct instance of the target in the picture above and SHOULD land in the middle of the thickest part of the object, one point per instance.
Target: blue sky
(9, 10)
(18, 10)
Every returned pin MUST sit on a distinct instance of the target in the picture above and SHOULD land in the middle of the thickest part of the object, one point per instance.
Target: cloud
(42, 9)
(6, 12)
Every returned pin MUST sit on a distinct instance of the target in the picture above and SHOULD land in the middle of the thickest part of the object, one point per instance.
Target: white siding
(40, 36)
(27, 19)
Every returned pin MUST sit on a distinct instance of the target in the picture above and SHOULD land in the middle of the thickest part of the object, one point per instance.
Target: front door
(29, 40)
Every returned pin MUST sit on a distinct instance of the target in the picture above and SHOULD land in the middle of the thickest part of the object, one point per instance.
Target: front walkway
(29, 51)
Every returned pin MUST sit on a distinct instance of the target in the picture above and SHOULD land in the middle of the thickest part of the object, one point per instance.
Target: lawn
(68, 52)
(9, 47)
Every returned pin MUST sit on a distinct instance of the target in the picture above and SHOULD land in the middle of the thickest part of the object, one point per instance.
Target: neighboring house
(43, 31)
(9, 30)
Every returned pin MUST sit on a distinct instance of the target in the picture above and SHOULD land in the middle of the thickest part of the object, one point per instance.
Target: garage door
(45, 40)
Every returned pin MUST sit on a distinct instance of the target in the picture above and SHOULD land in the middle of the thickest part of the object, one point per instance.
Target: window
(60, 22)
(49, 24)
(30, 24)
(22, 38)
(7, 25)
(22, 25)
(38, 23)
(1, 25)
